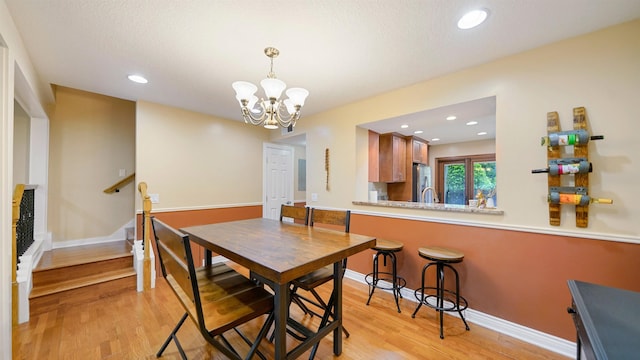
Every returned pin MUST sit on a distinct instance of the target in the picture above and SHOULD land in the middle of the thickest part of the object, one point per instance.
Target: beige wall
(91, 138)
(21, 135)
(598, 71)
(197, 161)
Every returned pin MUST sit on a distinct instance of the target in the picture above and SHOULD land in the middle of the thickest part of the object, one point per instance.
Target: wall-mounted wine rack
(577, 166)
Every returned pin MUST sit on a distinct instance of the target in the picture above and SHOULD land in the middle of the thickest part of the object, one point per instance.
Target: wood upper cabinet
(420, 151)
(374, 156)
(393, 158)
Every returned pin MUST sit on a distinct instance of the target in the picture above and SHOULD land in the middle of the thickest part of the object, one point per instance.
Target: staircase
(81, 274)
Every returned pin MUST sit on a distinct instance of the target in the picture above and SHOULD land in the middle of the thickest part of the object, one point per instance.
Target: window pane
(484, 179)
(454, 184)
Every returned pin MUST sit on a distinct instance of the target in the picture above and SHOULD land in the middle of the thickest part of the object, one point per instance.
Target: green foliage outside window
(484, 176)
(484, 179)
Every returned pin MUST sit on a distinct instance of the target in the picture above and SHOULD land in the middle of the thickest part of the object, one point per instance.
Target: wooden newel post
(146, 235)
(17, 199)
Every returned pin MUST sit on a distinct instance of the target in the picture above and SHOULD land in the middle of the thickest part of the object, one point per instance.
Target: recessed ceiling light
(452, 117)
(472, 19)
(435, 139)
(482, 133)
(138, 79)
(404, 126)
(418, 132)
(472, 123)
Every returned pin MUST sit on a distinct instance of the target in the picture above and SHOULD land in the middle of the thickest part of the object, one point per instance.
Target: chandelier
(271, 112)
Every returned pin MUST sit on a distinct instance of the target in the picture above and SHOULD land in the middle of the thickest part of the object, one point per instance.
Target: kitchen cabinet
(374, 156)
(420, 151)
(393, 158)
(416, 153)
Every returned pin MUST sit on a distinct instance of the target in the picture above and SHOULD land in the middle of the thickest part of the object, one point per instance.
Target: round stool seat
(386, 280)
(387, 245)
(437, 253)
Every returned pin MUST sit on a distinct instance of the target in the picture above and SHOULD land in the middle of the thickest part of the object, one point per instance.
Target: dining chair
(216, 297)
(321, 276)
(293, 213)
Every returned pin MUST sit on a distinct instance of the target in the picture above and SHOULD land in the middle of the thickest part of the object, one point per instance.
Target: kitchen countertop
(433, 207)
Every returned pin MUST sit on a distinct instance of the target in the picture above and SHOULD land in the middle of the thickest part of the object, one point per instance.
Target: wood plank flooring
(82, 254)
(133, 325)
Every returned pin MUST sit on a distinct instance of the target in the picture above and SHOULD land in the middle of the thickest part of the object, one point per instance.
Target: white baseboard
(118, 235)
(26, 264)
(532, 336)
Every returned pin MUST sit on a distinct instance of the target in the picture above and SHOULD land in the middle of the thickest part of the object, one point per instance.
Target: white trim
(138, 260)
(201, 207)
(27, 262)
(39, 171)
(6, 193)
(532, 336)
(520, 228)
(528, 229)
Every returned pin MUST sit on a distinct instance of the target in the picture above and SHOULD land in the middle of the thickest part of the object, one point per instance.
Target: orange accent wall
(516, 276)
(184, 218)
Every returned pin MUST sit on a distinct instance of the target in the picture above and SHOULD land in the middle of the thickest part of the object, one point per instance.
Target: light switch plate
(155, 198)
(314, 197)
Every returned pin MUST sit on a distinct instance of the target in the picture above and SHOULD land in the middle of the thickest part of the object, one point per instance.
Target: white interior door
(278, 179)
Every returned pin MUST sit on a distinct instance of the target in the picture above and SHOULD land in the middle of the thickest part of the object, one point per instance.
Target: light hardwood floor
(133, 325)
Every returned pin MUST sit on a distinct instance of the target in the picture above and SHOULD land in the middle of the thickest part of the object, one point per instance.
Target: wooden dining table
(279, 252)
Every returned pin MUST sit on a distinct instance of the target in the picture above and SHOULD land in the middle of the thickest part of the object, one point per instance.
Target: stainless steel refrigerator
(421, 180)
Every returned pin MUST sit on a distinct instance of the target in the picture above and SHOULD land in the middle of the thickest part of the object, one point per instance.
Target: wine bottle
(575, 199)
(581, 167)
(572, 137)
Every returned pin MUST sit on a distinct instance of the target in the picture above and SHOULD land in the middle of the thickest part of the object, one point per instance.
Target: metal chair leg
(173, 337)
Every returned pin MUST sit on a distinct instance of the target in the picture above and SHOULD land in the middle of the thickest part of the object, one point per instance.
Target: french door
(460, 178)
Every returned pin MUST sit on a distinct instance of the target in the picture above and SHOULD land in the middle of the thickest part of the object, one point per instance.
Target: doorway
(278, 179)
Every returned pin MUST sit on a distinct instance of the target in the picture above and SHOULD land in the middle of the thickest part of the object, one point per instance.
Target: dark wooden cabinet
(393, 158)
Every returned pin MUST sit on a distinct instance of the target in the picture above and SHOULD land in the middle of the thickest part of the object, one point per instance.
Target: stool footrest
(449, 303)
(386, 277)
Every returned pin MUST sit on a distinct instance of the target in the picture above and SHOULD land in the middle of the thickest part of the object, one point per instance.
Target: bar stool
(386, 249)
(441, 258)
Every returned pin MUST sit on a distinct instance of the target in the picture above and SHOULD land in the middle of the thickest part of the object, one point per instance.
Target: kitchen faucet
(435, 194)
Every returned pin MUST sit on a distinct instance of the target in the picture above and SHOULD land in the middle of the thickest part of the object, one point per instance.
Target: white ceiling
(434, 124)
(340, 50)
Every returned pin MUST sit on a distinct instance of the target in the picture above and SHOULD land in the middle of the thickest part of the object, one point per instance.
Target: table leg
(207, 257)
(281, 314)
(337, 293)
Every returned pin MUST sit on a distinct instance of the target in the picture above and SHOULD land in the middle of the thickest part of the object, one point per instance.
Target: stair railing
(117, 186)
(146, 235)
(17, 199)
